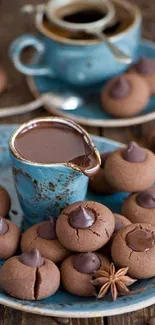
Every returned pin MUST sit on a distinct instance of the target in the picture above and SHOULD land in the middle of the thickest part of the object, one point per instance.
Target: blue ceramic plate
(63, 304)
(91, 113)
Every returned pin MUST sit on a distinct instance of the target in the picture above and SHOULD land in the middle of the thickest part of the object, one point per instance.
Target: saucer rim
(119, 122)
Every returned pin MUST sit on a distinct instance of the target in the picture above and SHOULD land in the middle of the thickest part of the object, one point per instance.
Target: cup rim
(63, 40)
(66, 121)
(97, 25)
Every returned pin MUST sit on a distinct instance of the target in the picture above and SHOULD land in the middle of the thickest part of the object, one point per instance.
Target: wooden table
(13, 24)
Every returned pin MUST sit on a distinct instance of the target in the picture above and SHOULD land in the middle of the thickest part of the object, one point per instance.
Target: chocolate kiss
(146, 199)
(140, 240)
(48, 230)
(81, 218)
(120, 88)
(133, 153)
(145, 65)
(86, 263)
(3, 226)
(32, 258)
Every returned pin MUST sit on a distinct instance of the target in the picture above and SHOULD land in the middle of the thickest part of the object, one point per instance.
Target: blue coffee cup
(79, 62)
(46, 189)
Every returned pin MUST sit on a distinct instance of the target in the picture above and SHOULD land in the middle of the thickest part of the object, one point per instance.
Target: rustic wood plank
(136, 318)
(12, 24)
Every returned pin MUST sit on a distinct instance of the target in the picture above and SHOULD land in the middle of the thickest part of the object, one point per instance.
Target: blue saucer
(91, 113)
(63, 304)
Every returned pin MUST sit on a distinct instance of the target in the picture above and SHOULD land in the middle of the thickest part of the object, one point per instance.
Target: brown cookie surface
(140, 207)
(125, 96)
(29, 282)
(79, 283)
(130, 174)
(5, 202)
(134, 246)
(91, 228)
(120, 222)
(9, 238)
(145, 67)
(98, 183)
(49, 248)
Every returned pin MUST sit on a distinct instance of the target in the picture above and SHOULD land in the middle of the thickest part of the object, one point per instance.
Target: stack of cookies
(78, 248)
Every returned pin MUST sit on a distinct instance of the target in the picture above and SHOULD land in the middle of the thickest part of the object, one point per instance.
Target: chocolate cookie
(120, 222)
(145, 67)
(43, 236)
(85, 226)
(5, 202)
(134, 246)
(9, 238)
(98, 183)
(29, 276)
(131, 169)
(140, 207)
(77, 271)
(125, 95)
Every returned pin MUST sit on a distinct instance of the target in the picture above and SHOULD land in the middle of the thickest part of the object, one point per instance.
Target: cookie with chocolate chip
(145, 67)
(29, 276)
(43, 237)
(134, 246)
(121, 97)
(140, 207)
(85, 226)
(120, 222)
(9, 238)
(130, 169)
(77, 272)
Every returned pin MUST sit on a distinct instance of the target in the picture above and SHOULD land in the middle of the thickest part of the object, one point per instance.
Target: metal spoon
(63, 102)
(119, 54)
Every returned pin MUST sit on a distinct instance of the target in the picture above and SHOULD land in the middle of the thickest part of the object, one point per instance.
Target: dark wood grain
(13, 24)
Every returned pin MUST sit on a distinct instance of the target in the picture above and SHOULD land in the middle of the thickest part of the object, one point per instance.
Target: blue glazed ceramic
(77, 62)
(91, 112)
(45, 189)
(63, 304)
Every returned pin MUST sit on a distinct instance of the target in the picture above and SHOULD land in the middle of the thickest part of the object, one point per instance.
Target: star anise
(116, 282)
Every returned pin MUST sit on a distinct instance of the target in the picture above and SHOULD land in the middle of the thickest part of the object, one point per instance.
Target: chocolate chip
(3, 226)
(133, 153)
(86, 263)
(48, 229)
(81, 218)
(145, 65)
(120, 88)
(146, 199)
(140, 239)
(32, 258)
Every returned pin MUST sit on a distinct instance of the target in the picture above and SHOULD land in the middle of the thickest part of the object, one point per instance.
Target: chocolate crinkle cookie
(43, 236)
(140, 207)
(9, 238)
(120, 222)
(121, 97)
(134, 247)
(145, 67)
(29, 276)
(131, 169)
(85, 226)
(77, 272)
